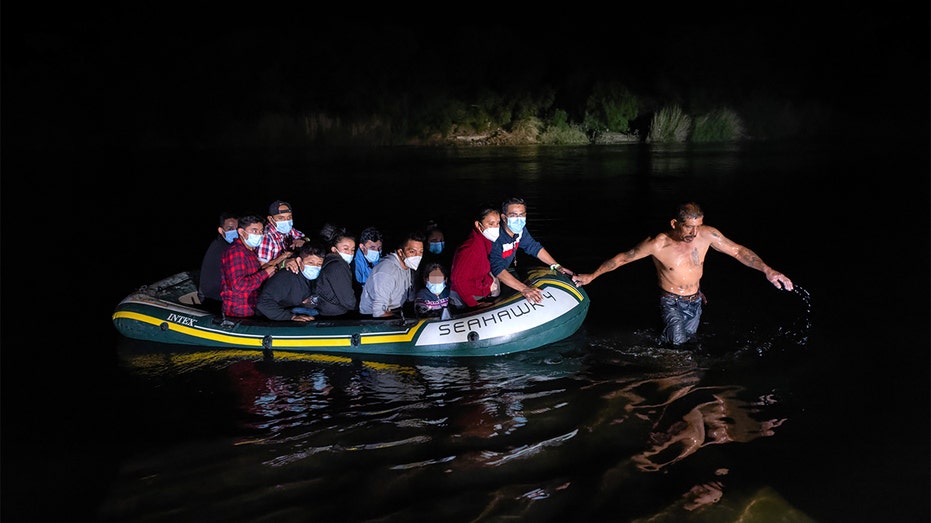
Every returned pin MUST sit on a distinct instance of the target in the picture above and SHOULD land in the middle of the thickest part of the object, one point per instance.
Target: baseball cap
(273, 209)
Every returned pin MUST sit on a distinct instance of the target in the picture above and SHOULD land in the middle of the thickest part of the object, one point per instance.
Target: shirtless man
(679, 257)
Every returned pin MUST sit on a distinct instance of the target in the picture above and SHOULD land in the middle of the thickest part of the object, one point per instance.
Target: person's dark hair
(431, 227)
(417, 236)
(226, 215)
(484, 210)
(331, 234)
(430, 267)
(370, 234)
(512, 201)
(249, 219)
(688, 210)
(313, 248)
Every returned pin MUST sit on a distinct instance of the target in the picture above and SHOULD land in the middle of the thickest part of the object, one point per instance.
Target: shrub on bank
(560, 131)
(720, 125)
(669, 125)
(610, 108)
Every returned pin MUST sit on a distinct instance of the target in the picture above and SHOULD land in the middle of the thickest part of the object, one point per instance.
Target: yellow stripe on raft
(558, 283)
(251, 341)
(393, 338)
(255, 340)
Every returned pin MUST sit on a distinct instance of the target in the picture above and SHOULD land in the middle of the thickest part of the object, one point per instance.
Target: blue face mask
(285, 226)
(372, 255)
(311, 272)
(254, 240)
(436, 247)
(346, 257)
(231, 236)
(516, 224)
(436, 288)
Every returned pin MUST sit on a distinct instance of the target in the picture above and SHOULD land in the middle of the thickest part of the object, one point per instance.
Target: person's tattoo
(750, 259)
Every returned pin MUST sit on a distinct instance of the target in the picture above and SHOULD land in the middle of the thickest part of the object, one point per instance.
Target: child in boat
(436, 298)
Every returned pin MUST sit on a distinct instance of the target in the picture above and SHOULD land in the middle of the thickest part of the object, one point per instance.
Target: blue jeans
(305, 310)
(681, 316)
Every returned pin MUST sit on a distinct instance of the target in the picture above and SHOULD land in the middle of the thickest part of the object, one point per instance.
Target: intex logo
(475, 323)
(183, 320)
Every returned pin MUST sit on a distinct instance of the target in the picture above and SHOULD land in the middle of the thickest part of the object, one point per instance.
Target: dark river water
(810, 405)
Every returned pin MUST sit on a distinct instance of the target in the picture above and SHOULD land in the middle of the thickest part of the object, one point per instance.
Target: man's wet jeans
(680, 316)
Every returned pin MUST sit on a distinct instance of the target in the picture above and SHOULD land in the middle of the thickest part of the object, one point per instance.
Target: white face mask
(491, 233)
(413, 262)
(346, 257)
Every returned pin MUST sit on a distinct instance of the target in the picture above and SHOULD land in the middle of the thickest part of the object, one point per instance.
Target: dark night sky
(114, 71)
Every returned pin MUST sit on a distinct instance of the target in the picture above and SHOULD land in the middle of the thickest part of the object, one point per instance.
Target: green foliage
(669, 125)
(526, 130)
(610, 107)
(560, 131)
(720, 125)
(560, 120)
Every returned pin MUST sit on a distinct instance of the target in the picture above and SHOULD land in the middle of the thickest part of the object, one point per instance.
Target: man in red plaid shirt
(241, 273)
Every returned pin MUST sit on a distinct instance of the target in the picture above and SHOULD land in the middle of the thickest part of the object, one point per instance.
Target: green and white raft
(164, 312)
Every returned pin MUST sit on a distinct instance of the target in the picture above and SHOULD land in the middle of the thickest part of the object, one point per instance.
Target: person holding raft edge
(512, 235)
(679, 257)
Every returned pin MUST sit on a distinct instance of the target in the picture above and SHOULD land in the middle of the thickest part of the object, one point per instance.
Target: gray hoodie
(388, 287)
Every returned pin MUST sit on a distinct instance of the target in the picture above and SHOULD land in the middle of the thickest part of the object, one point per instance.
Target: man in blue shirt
(367, 255)
(514, 235)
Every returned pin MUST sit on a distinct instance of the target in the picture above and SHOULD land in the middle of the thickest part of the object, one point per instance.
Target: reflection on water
(575, 422)
(695, 417)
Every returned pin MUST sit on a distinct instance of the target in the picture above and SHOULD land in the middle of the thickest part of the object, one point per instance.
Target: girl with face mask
(436, 298)
(435, 250)
(335, 292)
(471, 276)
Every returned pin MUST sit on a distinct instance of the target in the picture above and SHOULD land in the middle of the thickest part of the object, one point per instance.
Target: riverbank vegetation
(612, 113)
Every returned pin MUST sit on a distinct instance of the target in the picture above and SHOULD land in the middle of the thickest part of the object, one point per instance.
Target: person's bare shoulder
(709, 231)
(659, 241)
(710, 235)
(648, 246)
